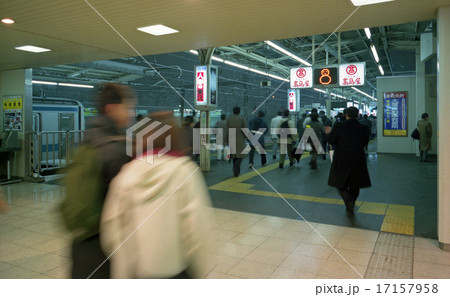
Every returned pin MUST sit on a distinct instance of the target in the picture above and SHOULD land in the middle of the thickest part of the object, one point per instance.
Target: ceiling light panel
(32, 49)
(7, 21)
(368, 2)
(158, 30)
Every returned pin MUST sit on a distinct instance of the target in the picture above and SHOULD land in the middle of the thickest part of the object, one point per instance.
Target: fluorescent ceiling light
(368, 2)
(40, 82)
(75, 85)
(280, 49)
(365, 94)
(193, 52)
(367, 30)
(237, 65)
(7, 21)
(374, 52)
(218, 59)
(158, 30)
(319, 90)
(381, 69)
(32, 48)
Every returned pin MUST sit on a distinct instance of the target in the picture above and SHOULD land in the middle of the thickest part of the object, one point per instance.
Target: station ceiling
(93, 30)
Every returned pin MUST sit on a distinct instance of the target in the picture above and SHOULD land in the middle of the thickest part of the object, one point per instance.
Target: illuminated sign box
(326, 76)
(293, 100)
(352, 74)
(201, 85)
(301, 77)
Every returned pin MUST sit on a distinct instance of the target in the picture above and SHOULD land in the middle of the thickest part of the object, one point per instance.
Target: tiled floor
(33, 244)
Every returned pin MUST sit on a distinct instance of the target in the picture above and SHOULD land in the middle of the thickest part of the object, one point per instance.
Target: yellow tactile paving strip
(398, 219)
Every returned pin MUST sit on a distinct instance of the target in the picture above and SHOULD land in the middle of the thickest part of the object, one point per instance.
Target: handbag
(226, 153)
(415, 134)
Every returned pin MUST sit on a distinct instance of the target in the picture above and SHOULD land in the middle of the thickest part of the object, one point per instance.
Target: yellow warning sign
(12, 102)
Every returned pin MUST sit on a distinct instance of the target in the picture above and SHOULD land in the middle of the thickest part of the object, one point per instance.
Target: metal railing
(49, 151)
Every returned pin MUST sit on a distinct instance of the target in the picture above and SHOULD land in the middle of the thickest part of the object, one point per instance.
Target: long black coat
(349, 167)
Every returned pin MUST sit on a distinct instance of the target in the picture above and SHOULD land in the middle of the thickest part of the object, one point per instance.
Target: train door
(66, 122)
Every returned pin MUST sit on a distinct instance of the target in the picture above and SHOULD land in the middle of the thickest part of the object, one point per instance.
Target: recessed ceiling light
(157, 30)
(32, 48)
(7, 21)
(368, 2)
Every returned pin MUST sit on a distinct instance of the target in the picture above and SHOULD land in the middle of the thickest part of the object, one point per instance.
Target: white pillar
(12, 83)
(420, 92)
(443, 134)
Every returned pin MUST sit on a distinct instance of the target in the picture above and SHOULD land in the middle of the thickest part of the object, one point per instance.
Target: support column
(443, 134)
(420, 91)
(18, 83)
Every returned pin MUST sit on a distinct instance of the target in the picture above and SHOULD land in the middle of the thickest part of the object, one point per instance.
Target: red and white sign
(292, 100)
(301, 77)
(201, 73)
(352, 74)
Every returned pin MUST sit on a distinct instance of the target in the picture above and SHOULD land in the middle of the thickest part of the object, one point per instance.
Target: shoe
(263, 164)
(280, 166)
(274, 157)
(250, 165)
(427, 161)
(350, 209)
(291, 164)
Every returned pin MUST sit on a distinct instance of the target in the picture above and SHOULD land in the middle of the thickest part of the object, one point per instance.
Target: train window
(66, 122)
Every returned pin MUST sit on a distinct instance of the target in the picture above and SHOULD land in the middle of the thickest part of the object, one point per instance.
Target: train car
(58, 125)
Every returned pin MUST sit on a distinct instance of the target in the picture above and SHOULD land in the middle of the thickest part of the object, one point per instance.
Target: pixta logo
(142, 135)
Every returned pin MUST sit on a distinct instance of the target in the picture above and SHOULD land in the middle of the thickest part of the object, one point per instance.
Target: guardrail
(49, 151)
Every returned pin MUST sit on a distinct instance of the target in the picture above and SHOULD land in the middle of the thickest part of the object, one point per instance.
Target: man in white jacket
(274, 124)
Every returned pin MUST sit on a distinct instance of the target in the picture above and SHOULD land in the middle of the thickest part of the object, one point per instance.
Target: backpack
(83, 202)
(285, 125)
(415, 134)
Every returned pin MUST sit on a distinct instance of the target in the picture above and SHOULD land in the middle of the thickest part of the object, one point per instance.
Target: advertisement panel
(395, 114)
(201, 85)
(292, 100)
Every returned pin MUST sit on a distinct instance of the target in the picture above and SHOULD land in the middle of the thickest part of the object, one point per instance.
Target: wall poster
(395, 114)
(12, 113)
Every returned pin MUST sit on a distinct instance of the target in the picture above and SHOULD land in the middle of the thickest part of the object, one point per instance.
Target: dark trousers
(237, 166)
(87, 256)
(252, 154)
(423, 156)
(349, 195)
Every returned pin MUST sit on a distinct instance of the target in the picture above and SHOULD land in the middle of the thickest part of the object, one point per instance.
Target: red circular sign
(291, 94)
(351, 69)
(301, 73)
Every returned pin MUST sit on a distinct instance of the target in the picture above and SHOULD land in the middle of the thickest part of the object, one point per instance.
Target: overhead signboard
(293, 100)
(326, 76)
(201, 85)
(352, 74)
(301, 77)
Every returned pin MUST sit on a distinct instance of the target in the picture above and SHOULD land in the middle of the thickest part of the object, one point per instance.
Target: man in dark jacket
(254, 125)
(114, 105)
(348, 171)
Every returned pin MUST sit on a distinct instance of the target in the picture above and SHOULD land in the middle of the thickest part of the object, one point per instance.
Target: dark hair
(365, 116)
(321, 112)
(222, 117)
(424, 115)
(139, 117)
(113, 94)
(314, 110)
(314, 116)
(189, 119)
(286, 113)
(261, 113)
(279, 112)
(236, 110)
(352, 112)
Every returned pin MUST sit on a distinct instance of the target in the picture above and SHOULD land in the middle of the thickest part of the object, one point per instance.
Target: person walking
(425, 133)
(274, 123)
(348, 172)
(325, 122)
(317, 126)
(222, 125)
(106, 137)
(254, 125)
(164, 205)
(286, 138)
(237, 146)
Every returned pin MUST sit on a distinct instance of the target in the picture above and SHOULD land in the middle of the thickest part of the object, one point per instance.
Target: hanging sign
(301, 77)
(201, 85)
(325, 77)
(395, 114)
(352, 74)
(292, 100)
(213, 85)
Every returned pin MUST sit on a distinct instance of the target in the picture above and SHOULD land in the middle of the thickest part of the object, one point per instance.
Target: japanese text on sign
(301, 77)
(395, 114)
(352, 74)
(201, 85)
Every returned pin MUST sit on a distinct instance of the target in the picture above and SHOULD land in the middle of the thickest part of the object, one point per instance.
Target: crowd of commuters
(150, 218)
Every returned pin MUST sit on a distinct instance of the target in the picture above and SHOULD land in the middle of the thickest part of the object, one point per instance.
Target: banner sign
(395, 114)
(352, 74)
(292, 100)
(201, 85)
(301, 77)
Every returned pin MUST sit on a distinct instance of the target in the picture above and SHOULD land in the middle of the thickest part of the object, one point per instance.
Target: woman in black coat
(348, 171)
